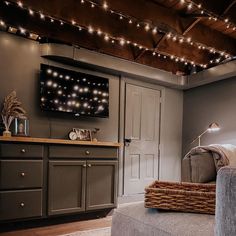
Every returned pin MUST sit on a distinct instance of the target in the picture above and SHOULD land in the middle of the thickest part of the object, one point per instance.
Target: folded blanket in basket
(223, 155)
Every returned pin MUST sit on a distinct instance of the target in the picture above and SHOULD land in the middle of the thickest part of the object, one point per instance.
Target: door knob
(22, 174)
(23, 150)
(87, 152)
(127, 141)
(84, 165)
(89, 165)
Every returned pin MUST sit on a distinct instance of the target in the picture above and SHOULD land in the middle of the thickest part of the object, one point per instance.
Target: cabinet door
(66, 187)
(101, 190)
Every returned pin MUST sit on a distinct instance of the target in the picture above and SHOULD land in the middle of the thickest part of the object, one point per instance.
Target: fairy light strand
(121, 41)
(147, 26)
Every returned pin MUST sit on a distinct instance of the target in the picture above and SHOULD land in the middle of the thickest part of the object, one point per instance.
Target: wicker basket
(186, 197)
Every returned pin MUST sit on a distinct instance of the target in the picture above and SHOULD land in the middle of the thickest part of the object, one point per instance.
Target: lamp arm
(199, 137)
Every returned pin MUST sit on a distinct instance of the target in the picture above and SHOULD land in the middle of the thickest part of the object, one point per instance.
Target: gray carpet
(95, 232)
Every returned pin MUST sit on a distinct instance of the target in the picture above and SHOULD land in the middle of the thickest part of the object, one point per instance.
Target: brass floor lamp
(211, 128)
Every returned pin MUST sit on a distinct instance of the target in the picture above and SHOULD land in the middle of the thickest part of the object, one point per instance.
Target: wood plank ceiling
(178, 36)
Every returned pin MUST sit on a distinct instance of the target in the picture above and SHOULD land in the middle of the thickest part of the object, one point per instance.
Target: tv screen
(74, 92)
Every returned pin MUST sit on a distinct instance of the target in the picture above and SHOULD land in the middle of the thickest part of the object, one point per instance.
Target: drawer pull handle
(84, 165)
(89, 165)
(87, 152)
(22, 174)
(23, 150)
(22, 204)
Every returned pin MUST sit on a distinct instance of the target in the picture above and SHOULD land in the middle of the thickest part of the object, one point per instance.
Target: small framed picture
(80, 134)
(21, 127)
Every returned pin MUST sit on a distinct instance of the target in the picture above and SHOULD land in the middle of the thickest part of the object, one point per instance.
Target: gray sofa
(135, 220)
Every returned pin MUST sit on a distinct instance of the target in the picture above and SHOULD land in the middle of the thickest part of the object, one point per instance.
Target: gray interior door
(142, 125)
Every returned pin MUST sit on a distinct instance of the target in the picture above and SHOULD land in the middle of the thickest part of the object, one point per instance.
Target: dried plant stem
(11, 109)
(7, 121)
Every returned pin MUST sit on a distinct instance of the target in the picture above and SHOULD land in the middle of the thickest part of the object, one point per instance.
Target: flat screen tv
(74, 92)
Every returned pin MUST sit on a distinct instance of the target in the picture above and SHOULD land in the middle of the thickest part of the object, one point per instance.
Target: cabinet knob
(22, 174)
(87, 152)
(23, 150)
(89, 165)
(22, 204)
(84, 165)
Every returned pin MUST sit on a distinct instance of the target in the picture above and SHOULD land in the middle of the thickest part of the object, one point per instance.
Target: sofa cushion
(135, 220)
(203, 168)
(199, 168)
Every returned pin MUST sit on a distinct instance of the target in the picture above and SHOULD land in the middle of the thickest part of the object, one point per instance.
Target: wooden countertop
(58, 141)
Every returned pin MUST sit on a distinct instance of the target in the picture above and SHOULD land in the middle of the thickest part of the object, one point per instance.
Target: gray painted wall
(206, 104)
(19, 67)
(171, 135)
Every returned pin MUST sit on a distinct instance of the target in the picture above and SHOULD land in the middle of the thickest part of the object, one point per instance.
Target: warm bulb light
(31, 12)
(105, 6)
(20, 4)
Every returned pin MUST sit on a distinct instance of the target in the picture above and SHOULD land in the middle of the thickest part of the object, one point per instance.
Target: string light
(22, 31)
(42, 16)
(122, 41)
(90, 29)
(106, 37)
(20, 4)
(190, 5)
(154, 31)
(147, 27)
(2, 23)
(31, 12)
(105, 6)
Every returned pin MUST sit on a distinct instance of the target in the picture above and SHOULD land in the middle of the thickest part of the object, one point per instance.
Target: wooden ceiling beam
(170, 20)
(196, 21)
(69, 34)
(217, 6)
(98, 18)
(216, 39)
(228, 7)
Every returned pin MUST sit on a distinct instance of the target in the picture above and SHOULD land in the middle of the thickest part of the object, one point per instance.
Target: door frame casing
(123, 82)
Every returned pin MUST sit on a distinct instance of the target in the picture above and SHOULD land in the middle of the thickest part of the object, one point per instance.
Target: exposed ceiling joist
(73, 36)
(182, 41)
(169, 20)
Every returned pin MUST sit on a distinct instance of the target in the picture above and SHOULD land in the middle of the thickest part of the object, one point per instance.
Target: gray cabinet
(39, 179)
(77, 186)
(21, 181)
(101, 184)
(66, 190)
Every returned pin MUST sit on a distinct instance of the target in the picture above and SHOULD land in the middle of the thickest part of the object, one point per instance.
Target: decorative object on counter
(80, 134)
(211, 128)
(93, 132)
(11, 109)
(21, 127)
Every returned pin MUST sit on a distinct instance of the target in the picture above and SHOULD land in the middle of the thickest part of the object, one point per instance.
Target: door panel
(134, 124)
(66, 187)
(101, 184)
(142, 118)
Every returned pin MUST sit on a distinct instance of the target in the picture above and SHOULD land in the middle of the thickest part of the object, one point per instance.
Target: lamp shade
(213, 127)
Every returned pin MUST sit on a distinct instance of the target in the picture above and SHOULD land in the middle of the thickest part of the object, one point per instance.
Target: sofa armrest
(226, 202)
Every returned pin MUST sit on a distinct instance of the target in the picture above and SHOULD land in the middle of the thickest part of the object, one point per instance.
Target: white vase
(6, 133)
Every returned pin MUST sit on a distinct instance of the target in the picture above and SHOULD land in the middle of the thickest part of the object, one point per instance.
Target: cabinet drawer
(21, 150)
(82, 152)
(17, 174)
(20, 204)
